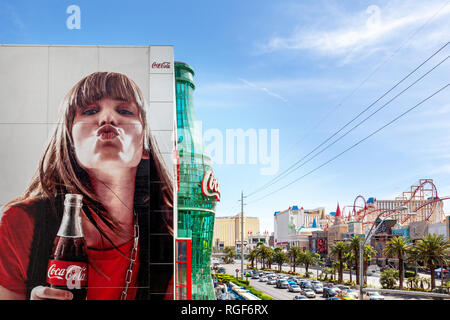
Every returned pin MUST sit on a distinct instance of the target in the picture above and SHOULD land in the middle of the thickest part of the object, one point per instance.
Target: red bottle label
(73, 275)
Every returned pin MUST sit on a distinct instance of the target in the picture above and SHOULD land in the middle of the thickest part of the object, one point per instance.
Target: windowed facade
(196, 211)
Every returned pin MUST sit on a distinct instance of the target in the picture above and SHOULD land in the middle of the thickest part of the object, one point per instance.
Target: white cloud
(368, 31)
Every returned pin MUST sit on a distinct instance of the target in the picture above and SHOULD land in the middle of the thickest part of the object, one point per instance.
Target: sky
(289, 74)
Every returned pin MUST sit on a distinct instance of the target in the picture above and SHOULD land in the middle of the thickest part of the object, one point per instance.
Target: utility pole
(242, 235)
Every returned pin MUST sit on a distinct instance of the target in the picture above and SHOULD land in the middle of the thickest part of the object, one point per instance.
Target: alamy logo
(69, 274)
(74, 20)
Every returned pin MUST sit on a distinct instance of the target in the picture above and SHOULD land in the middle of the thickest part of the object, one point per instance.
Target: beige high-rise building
(227, 230)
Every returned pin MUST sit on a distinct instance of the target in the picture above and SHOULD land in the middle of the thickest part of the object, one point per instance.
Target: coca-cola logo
(210, 185)
(66, 273)
(161, 65)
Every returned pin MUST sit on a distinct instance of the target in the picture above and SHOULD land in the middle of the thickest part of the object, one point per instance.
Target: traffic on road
(282, 286)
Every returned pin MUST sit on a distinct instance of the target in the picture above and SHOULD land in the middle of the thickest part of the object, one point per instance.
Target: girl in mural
(102, 149)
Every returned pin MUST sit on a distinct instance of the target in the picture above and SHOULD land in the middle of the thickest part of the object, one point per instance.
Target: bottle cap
(74, 200)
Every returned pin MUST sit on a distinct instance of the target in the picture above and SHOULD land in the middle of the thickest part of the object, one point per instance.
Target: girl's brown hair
(59, 172)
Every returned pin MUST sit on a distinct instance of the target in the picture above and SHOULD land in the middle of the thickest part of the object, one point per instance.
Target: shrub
(225, 278)
(388, 278)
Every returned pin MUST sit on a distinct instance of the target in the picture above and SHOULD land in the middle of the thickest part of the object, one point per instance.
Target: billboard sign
(97, 121)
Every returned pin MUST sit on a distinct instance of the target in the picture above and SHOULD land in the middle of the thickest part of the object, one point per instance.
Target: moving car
(300, 297)
(374, 296)
(343, 288)
(308, 292)
(317, 288)
(328, 292)
(346, 296)
(294, 288)
(306, 285)
(283, 284)
(353, 293)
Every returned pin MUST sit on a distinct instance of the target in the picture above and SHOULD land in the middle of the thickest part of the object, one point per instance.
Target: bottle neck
(71, 222)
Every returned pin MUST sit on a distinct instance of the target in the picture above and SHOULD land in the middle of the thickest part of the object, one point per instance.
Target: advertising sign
(404, 232)
(96, 121)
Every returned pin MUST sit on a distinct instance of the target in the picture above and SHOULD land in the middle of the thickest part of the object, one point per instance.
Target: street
(284, 294)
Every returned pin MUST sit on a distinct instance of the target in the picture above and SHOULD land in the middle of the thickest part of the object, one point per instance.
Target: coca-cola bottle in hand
(68, 264)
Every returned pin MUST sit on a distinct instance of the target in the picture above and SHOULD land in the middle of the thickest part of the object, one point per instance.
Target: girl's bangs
(104, 84)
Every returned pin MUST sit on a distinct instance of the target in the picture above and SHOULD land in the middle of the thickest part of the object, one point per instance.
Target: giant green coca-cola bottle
(198, 188)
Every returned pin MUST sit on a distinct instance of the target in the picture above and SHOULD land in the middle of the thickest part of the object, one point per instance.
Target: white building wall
(438, 229)
(282, 226)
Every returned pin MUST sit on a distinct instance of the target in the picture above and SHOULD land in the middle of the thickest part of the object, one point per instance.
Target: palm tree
(327, 271)
(263, 253)
(270, 254)
(338, 250)
(397, 247)
(369, 252)
(308, 258)
(230, 254)
(294, 253)
(279, 257)
(349, 258)
(433, 251)
(354, 245)
(252, 255)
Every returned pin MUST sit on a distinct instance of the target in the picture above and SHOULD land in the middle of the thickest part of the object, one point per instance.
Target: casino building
(198, 193)
(293, 226)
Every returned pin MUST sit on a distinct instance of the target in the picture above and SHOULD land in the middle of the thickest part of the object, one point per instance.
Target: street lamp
(367, 239)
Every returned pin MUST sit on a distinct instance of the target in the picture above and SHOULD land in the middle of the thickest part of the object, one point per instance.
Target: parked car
(373, 269)
(328, 292)
(308, 292)
(437, 273)
(316, 282)
(317, 288)
(255, 276)
(374, 296)
(293, 288)
(263, 279)
(333, 298)
(272, 281)
(221, 270)
(300, 297)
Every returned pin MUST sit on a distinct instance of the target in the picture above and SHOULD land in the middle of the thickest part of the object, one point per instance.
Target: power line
(289, 170)
(356, 144)
(368, 117)
(373, 72)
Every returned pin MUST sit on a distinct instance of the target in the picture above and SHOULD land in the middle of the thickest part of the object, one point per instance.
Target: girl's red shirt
(107, 268)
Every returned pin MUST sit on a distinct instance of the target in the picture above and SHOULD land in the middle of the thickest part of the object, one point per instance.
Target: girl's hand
(47, 293)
